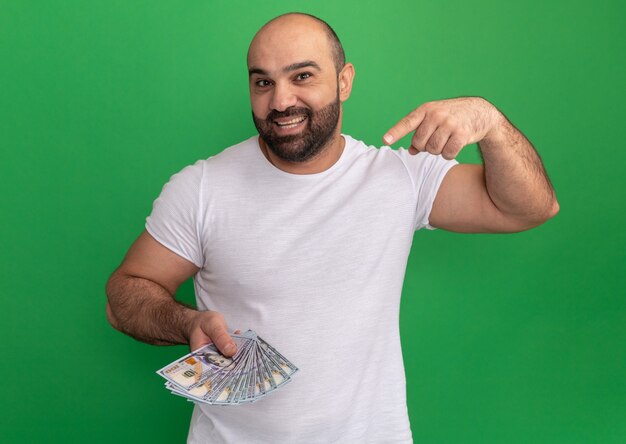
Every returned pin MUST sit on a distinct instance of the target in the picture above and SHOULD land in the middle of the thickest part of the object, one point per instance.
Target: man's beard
(320, 126)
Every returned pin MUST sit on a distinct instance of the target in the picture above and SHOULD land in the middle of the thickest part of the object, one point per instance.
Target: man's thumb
(222, 340)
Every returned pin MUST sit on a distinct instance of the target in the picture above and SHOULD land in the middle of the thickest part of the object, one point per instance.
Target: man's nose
(283, 97)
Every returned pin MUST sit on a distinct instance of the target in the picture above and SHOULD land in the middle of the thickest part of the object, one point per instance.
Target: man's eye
(303, 76)
(262, 83)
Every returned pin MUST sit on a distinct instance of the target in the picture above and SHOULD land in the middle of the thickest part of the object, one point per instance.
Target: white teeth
(292, 122)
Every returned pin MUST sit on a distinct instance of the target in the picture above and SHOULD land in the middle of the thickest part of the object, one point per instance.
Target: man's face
(293, 90)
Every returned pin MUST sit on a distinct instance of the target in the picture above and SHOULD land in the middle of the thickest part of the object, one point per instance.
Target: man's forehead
(288, 40)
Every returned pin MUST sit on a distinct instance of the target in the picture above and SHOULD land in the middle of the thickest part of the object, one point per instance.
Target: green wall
(507, 338)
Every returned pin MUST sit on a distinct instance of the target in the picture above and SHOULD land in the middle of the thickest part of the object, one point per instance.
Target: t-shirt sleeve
(175, 218)
(427, 172)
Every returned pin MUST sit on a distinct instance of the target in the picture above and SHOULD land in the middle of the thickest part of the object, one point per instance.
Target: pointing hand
(446, 126)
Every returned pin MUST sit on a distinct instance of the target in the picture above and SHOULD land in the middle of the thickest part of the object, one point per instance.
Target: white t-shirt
(315, 264)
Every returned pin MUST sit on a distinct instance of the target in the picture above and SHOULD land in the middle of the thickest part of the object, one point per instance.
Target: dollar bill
(207, 376)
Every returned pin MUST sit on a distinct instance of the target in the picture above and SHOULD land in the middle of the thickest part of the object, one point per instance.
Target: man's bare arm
(141, 300)
(511, 192)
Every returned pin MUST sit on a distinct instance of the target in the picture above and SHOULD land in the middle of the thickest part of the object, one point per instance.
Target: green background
(507, 338)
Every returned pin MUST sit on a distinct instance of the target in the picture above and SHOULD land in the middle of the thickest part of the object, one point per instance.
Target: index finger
(408, 123)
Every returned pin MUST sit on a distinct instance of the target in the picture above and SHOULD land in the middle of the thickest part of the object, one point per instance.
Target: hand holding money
(207, 376)
(210, 327)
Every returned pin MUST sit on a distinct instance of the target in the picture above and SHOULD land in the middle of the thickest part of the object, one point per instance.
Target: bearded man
(303, 234)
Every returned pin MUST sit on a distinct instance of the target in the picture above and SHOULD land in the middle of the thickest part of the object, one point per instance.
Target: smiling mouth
(291, 123)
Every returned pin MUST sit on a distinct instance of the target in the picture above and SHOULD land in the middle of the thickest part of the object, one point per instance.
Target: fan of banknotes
(207, 376)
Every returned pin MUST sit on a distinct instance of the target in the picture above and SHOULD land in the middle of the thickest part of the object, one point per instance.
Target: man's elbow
(554, 210)
(529, 221)
(551, 210)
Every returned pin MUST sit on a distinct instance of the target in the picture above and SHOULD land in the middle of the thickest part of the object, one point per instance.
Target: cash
(207, 376)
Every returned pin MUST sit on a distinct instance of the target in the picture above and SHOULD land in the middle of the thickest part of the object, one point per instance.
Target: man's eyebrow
(293, 67)
(305, 64)
(255, 70)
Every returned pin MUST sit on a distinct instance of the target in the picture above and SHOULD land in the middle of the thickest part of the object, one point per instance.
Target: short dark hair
(338, 55)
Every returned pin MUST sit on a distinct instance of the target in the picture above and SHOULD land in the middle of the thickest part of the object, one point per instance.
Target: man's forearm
(515, 177)
(146, 311)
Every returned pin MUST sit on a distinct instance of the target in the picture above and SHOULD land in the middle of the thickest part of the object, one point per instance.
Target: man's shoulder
(371, 153)
(226, 161)
(386, 161)
(237, 152)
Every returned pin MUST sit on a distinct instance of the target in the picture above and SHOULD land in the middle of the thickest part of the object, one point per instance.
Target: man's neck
(326, 158)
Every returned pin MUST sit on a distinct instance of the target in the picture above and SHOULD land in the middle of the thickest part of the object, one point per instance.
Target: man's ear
(345, 78)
